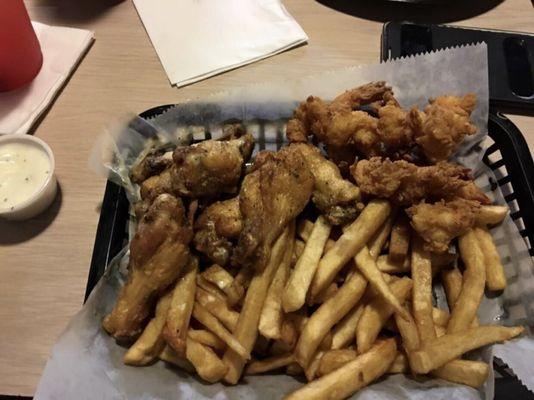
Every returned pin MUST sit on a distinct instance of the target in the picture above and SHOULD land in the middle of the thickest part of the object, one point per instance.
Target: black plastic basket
(507, 154)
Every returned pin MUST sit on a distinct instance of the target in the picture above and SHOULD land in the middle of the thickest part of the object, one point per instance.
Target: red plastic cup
(20, 52)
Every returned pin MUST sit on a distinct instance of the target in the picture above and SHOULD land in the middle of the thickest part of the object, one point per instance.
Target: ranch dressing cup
(27, 181)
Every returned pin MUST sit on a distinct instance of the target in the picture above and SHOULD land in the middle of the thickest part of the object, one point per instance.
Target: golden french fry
(325, 294)
(491, 215)
(236, 290)
(269, 364)
(218, 308)
(311, 371)
(298, 249)
(294, 295)
(422, 291)
(170, 356)
(304, 229)
(440, 317)
(344, 331)
(354, 237)
(465, 372)
(270, 325)
(202, 315)
(495, 278)
(334, 359)
(399, 241)
(440, 330)
(326, 316)
(206, 338)
(326, 343)
(466, 305)
(376, 243)
(452, 345)
(218, 276)
(385, 265)
(354, 375)
(408, 332)
(149, 345)
(246, 330)
(210, 288)
(208, 366)
(368, 268)
(377, 312)
(183, 298)
(452, 283)
(400, 364)
(294, 369)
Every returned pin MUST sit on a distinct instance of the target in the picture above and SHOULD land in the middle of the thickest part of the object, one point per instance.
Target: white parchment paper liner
(87, 364)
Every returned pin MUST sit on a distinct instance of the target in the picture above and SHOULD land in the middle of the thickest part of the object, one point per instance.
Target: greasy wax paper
(86, 363)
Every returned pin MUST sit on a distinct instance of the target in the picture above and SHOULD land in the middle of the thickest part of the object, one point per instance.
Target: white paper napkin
(198, 39)
(62, 50)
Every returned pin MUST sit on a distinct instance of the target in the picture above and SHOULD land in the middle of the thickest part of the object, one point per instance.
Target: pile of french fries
(339, 307)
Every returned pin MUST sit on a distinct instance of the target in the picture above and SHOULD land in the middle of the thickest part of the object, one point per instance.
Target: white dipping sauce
(24, 169)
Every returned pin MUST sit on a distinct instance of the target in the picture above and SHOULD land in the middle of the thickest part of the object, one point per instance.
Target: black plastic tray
(509, 150)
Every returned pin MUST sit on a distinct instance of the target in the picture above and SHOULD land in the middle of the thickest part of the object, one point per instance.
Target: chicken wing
(211, 167)
(216, 226)
(275, 191)
(153, 163)
(441, 222)
(158, 251)
(443, 125)
(406, 183)
(334, 196)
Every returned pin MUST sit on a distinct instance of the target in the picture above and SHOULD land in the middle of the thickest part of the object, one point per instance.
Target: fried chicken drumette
(158, 251)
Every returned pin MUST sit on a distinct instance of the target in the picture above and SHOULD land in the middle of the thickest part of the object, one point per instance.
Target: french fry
(326, 343)
(452, 345)
(304, 229)
(269, 364)
(385, 265)
(298, 249)
(236, 290)
(326, 316)
(408, 332)
(208, 366)
(311, 370)
(218, 308)
(422, 291)
(474, 277)
(210, 288)
(440, 317)
(246, 330)
(180, 309)
(294, 295)
(218, 276)
(354, 375)
(400, 364)
(452, 283)
(206, 338)
(272, 315)
(203, 316)
(377, 312)
(377, 242)
(465, 372)
(368, 268)
(149, 345)
(334, 359)
(491, 215)
(440, 330)
(354, 237)
(495, 278)
(325, 294)
(344, 331)
(399, 241)
(170, 356)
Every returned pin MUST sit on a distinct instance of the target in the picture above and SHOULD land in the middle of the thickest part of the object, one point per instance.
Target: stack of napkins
(196, 39)
(62, 49)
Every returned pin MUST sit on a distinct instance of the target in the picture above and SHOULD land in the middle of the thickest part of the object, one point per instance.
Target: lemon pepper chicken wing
(158, 251)
(215, 229)
(334, 196)
(405, 183)
(275, 191)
